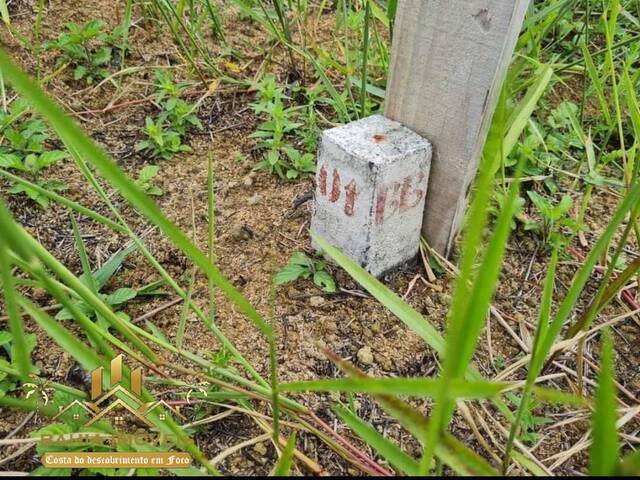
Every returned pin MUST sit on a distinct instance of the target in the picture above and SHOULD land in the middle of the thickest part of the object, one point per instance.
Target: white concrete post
(371, 185)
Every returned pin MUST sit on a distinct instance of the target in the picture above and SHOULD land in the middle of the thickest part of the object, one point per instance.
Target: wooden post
(448, 63)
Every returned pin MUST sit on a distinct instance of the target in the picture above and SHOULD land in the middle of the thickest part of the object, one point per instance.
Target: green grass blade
(519, 119)
(597, 84)
(84, 258)
(184, 312)
(166, 277)
(72, 135)
(23, 242)
(216, 23)
(65, 340)
(632, 102)
(4, 12)
(630, 200)
(30, 403)
(65, 202)
(399, 308)
(392, 8)
(211, 230)
(466, 321)
(389, 451)
(283, 466)
(89, 361)
(541, 332)
(605, 449)
(629, 466)
(459, 457)
(126, 25)
(16, 325)
(418, 387)
(365, 58)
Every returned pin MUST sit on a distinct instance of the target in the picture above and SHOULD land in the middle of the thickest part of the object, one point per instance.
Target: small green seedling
(176, 113)
(300, 163)
(530, 422)
(145, 178)
(553, 214)
(85, 47)
(281, 158)
(161, 142)
(24, 149)
(301, 266)
(165, 133)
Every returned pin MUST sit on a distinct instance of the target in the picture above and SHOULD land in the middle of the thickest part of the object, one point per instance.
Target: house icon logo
(116, 399)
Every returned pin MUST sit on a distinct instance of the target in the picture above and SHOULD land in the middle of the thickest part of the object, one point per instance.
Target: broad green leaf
(148, 172)
(64, 201)
(325, 281)
(10, 160)
(5, 337)
(121, 295)
(289, 273)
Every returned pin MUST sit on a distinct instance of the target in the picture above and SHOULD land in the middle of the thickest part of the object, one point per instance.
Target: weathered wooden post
(448, 62)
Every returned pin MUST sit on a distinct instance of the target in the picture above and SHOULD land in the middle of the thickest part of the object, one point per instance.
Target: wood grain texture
(448, 62)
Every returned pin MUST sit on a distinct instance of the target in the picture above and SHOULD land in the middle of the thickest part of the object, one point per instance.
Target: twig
(155, 311)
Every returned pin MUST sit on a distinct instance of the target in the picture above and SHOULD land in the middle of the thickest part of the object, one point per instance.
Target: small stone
(385, 362)
(247, 181)
(365, 356)
(375, 328)
(316, 301)
(329, 325)
(240, 233)
(255, 199)
(444, 299)
(260, 449)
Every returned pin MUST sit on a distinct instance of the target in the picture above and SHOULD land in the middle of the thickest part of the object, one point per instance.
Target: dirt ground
(256, 238)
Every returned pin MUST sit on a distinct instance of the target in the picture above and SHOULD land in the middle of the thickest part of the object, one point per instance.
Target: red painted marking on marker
(398, 197)
(322, 181)
(381, 200)
(351, 190)
(409, 189)
(335, 188)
